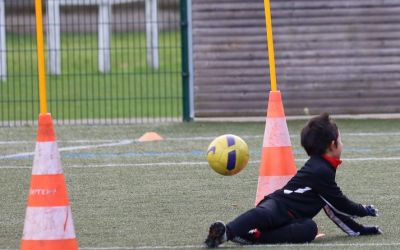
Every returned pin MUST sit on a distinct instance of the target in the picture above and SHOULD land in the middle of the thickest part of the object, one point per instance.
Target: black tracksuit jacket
(314, 188)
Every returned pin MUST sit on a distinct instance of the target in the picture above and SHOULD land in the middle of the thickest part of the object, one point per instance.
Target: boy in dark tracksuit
(285, 216)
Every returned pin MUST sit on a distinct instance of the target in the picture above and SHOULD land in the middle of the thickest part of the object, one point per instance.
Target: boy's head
(320, 136)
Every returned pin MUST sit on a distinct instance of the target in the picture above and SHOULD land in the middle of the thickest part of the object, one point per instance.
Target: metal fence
(108, 61)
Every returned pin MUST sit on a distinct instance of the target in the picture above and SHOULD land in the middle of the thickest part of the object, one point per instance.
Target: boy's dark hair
(319, 132)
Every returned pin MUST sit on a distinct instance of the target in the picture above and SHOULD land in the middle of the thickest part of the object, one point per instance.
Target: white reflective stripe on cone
(48, 223)
(276, 133)
(268, 184)
(47, 159)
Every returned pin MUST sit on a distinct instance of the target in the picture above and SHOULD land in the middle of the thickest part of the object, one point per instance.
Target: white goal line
(188, 163)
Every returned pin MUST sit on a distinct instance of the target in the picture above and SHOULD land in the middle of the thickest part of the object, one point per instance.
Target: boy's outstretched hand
(371, 210)
(370, 230)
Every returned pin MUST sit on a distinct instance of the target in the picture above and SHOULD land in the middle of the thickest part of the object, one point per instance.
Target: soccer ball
(228, 154)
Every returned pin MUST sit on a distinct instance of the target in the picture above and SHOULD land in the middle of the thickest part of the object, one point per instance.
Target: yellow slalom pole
(270, 41)
(40, 53)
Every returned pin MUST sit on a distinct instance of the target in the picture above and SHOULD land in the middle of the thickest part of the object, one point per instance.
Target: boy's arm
(330, 192)
(348, 225)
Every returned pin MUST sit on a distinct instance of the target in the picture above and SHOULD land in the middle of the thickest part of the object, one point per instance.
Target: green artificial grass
(131, 89)
(163, 195)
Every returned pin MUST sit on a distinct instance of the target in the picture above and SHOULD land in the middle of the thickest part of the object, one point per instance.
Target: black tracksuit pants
(274, 223)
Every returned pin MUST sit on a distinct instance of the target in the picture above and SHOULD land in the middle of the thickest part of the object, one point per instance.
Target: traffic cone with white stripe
(48, 220)
(277, 162)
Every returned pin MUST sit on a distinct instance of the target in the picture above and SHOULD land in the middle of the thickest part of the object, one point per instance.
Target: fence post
(185, 60)
(104, 36)
(152, 33)
(53, 37)
(104, 33)
(3, 49)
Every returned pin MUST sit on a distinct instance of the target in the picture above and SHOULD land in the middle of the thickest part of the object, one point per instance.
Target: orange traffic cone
(150, 136)
(48, 220)
(277, 162)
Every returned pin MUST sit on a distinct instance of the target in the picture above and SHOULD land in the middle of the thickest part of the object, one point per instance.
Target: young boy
(285, 216)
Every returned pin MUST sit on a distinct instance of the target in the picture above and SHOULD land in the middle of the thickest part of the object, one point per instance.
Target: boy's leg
(297, 231)
(268, 215)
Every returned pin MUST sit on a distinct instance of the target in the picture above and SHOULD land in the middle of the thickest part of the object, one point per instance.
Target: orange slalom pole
(270, 41)
(40, 52)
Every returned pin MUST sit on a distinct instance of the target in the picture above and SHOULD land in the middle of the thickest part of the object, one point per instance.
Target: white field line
(311, 245)
(59, 141)
(113, 144)
(317, 245)
(197, 138)
(190, 163)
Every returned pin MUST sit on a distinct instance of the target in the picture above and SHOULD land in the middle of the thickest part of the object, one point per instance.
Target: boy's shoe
(216, 235)
(253, 237)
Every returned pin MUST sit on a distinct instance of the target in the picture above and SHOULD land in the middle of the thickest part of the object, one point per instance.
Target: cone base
(66, 244)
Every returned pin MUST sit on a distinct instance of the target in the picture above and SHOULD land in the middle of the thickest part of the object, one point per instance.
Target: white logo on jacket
(299, 190)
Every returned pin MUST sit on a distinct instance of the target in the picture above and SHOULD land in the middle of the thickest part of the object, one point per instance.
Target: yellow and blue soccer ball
(228, 154)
